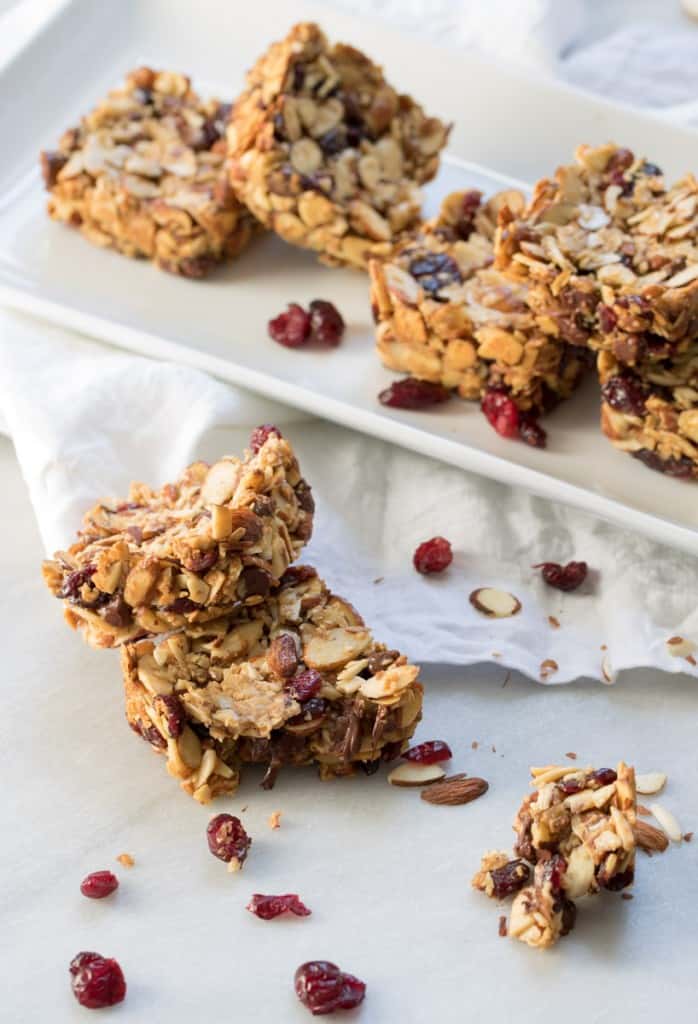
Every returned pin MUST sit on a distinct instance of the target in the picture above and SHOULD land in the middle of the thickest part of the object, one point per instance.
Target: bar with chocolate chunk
(213, 542)
(294, 680)
(445, 315)
(326, 153)
(143, 173)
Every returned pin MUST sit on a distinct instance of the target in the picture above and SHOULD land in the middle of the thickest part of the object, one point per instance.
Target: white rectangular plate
(523, 128)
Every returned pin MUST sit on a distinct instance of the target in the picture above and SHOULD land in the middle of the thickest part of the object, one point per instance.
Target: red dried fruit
(563, 577)
(305, 685)
(99, 884)
(625, 393)
(97, 981)
(501, 412)
(323, 988)
(430, 752)
(569, 786)
(433, 556)
(313, 711)
(531, 432)
(607, 318)
(261, 434)
(292, 328)
(227, 839)
(268, 907)
(411, 393)
(681, 468)
(508, 879)
(170, 707)
(296, 574)
(604, 776)
(326, 322)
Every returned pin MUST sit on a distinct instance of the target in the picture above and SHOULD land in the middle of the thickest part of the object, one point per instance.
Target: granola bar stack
(610, 260)
(445, 314)
(232, 655)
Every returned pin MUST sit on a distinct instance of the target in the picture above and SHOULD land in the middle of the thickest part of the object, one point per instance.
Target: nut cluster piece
(326, 153)
(144, 173)
(233, 691)
(576, 832)
(213, 542)
(445, 315)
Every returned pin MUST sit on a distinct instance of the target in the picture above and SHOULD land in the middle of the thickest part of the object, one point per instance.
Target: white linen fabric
(86, 419)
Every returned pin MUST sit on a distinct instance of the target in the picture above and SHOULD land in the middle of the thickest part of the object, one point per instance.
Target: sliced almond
(680, 647)
(332, 648)
(649, 838)
(496, 604)
(650, 782)
(409, 774)
(220, 482)
(455, 790)
(668, 822)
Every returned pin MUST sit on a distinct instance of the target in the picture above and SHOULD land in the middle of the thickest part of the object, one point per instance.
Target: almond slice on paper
(496, 604)
(679, 647)
(668, 822)
(410, 774)
(650, 782)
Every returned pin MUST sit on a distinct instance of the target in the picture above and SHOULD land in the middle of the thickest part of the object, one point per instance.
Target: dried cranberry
(227, 839)
(433, 556)
(554, 871)
(509, 878)
(563, 577)
(469, 207)
(604, 776)
(183, 606)
(607, 318)
(253, 582)
(292, 328)
(74, 581)
(681, 468)
(260, 435)
(326, 322)
(99, 884)
(624, 393)
(620, 160)
(314, 709)
(434, 271)
(296, 574)
(570, 786)
(201, 561)
(305, 685)
(97, 981)
(411, 393)
(531, 431)
(268, 907)
(569, 916)
(430, 752)
(614, 883)
(170, 707)
(323, 988)
(501, 412)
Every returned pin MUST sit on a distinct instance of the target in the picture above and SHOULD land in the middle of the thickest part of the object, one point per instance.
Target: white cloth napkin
(86, 419)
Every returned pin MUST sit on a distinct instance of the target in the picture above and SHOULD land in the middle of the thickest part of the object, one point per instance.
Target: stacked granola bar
(610, 259)
(444, 314)
(231, 655)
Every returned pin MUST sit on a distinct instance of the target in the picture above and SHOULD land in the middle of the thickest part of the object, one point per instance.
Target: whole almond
(455, 789)
(649, 838)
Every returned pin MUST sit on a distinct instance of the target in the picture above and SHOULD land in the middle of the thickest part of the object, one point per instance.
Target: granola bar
(144, 173)
(295, 680)
(610, 255)
(576, 831)
(445, 315)
(213, 542)
(326, 153)
(651, 411)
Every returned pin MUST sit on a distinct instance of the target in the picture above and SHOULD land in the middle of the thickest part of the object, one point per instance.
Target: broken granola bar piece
(144, 173)
(500, 876)
(326, 153)
(585, 817)
(445, 315)
(541, 913)
(295, 680)
(651, 411)
(214, 542)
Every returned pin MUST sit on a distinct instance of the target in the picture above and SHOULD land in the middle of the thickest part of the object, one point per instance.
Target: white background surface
(386, 875)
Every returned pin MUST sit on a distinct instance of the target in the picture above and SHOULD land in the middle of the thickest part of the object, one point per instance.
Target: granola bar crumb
(275, 820)
(126, 860)
(554, 623)
(503, 926)
(571, 754)
(626, 896)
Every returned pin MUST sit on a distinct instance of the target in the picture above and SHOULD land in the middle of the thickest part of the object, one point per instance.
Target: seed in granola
(508, 879)
(292, 328)
(228, 840)
(430, 752)
(433, 556)
(625, 393)
(324, 988)
(96, 981)
(269, 907)
(261, 434)
(563, 577)
(411, 393)
(305, 685)
(326, 322)
(501, 412)
(99, 884)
